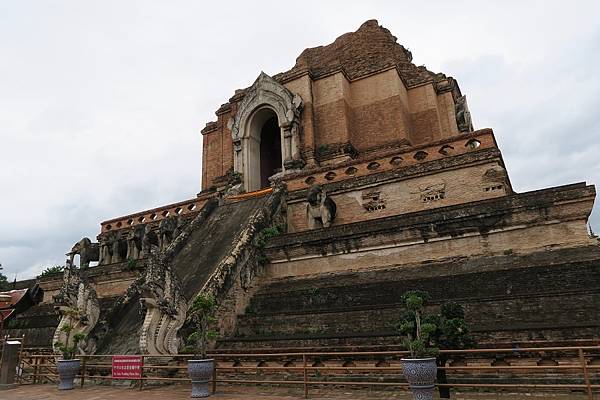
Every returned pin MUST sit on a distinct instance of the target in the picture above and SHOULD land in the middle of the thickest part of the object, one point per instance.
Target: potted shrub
(451, 332)
(201, 368)
(420, 368)
(68, 367)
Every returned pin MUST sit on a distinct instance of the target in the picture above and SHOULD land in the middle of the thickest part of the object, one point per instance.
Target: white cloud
(101, 103)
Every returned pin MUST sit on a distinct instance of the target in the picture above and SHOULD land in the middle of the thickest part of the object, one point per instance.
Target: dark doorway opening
(270, 151)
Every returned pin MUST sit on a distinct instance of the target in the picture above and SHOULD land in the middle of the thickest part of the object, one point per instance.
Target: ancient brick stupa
(328, 191)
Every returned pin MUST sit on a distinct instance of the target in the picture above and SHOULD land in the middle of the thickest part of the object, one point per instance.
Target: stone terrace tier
(508, 298)
(521, 223)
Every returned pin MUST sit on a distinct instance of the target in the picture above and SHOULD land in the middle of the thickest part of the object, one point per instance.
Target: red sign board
(127, 367)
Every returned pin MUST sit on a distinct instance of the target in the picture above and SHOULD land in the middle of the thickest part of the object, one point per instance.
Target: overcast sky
(102, 102)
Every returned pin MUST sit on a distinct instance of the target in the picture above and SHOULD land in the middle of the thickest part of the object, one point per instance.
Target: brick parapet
(186, 208)
(393, 159)
(561, 204)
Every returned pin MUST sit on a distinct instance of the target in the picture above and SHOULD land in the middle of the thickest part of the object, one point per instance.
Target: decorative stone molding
(266, 92)
(432, 192)
(334, 153)
(373, 201)
(78, 305)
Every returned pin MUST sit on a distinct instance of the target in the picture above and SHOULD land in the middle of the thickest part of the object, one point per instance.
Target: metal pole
(586, 377)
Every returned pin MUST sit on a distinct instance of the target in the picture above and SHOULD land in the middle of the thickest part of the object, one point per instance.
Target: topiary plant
(424, 335)
(416, 333)
(69, 348)
(452, 332)
(202, 317)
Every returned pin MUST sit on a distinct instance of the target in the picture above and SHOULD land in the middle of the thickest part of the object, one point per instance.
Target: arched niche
(264, 101)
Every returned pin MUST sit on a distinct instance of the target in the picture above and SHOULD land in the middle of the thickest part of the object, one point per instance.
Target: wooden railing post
(214, 377)
(83, 370)
(35, 370)
(19, 364)
(305, 376)
(586, 376)
(142, 374)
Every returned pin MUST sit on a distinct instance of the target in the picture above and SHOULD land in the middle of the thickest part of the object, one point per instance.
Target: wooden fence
(533, 369)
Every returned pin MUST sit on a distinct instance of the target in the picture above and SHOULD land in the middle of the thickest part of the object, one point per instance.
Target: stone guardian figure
(87, 252)
(321, 209)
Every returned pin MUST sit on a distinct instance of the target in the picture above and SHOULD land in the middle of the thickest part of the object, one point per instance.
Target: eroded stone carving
(150, 239)
(110, 248)
(165, 307)
(321, 209)
(433, 192)
(463, 116)
(87, 252)
(373, 201)
(135, 237)
(168, 229)
(78, 305)
(495, 178)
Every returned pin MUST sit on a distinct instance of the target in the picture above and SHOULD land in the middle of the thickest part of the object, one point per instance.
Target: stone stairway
(211, 254)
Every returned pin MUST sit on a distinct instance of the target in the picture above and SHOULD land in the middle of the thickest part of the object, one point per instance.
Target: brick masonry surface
(176, 392)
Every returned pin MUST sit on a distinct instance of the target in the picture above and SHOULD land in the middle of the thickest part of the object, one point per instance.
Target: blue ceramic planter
(420, 374)
(200, 373)
(67, 370)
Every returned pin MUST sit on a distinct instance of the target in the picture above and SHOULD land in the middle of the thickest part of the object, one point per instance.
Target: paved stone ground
(179, 392)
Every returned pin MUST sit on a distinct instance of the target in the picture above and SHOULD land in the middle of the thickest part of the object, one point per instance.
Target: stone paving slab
(179, 392)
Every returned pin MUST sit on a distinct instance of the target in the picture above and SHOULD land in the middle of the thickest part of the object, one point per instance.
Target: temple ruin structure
(327, 191)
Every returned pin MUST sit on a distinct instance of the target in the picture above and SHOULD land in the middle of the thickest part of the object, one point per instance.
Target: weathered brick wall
(362, 89)
(108, 280)
(507, 298)
(444, 188)
(521, 223)
(39, 322)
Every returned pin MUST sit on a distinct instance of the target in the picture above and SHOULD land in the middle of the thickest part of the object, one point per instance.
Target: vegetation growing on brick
(54, 270)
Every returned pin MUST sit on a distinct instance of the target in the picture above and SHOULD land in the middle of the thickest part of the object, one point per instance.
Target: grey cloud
(102, 103)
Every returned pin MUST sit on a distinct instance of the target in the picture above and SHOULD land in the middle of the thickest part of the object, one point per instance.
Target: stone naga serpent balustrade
(161, 294)
(232, 278)
(165, 307)
(78, 305)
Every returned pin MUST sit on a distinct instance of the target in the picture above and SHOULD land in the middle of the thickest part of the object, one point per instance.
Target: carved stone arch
(266, 94)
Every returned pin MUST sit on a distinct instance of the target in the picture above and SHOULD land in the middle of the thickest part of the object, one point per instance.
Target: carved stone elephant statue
(321, 209)
(87, 252)
(168, 230)
(150, 239)
(112, 249)
(135, 238)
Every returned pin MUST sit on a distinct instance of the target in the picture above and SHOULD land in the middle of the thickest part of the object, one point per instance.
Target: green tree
(202, 317)
(54, 270)
(416, 329)
(424, 334)
(69, 348)
(4, 285)
(451, 332)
